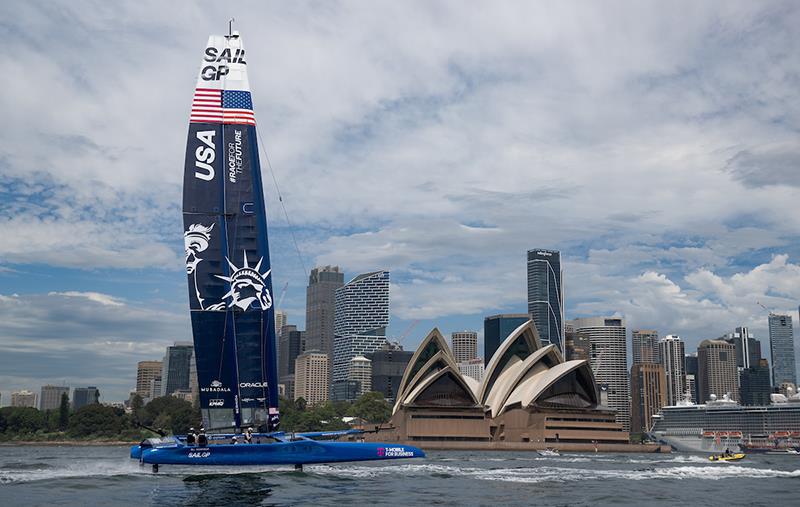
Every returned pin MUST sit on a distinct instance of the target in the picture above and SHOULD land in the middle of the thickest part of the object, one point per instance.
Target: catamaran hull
(279, 453)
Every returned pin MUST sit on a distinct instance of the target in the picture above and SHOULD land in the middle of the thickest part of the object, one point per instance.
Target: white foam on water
(80, 469)
(558, 474)
(360, 471)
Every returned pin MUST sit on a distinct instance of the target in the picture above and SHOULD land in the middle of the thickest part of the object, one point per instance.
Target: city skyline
(440, 158)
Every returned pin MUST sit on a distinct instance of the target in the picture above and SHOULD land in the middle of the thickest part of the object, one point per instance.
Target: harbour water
(98, 476)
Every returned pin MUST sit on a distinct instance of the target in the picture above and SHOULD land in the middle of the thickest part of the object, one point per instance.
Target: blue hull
(298, 452)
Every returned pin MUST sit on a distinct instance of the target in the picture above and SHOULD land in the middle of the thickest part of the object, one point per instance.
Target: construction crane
(407, 331)
(283, 295)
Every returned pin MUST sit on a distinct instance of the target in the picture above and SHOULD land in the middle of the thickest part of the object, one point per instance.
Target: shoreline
(67, 443)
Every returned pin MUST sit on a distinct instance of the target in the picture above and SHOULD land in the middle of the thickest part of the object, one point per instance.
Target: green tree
(372, 407)
(171, 414)
(137, 404)
(97, 420)
(63, 412)
(23, 420)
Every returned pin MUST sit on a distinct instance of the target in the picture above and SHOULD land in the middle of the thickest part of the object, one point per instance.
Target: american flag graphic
(222, 106)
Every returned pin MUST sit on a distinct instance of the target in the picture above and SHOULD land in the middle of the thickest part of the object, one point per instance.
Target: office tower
(291, 345)
(673, 358)
(388, 364)
(281, 319)
(496, 329)
(464, 345)
(608, 356)
(50, 398)
(311, 377)
(648, 394)
(644, 345)
(748, 349)
(691, 369)
(361, 371)
(175, 368)
(576, 347)
(155, 388)
(146, 371)
(717, 374)
(362, 315)
(23, 398)
(473, 368)
(546, 295)
(82, 396)
(754, 384)
(321, 307)
(781, 345)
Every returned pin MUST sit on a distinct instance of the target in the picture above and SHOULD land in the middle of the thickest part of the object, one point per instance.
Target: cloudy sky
(655, 144)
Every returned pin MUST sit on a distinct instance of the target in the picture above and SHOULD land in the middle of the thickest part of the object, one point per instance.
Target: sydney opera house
(528, 394)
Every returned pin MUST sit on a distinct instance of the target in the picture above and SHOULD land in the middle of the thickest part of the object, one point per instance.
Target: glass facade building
(496, 329)
(362, 315)
(176, 366)
(781, 345)
(546, 295)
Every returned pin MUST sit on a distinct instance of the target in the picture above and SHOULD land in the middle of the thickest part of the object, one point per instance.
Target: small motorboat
(727, 457)
(549, 452)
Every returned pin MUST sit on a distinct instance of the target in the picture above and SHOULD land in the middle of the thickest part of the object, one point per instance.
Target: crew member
(202, 439)
(191, 438)
(234, 440)
(248, 435)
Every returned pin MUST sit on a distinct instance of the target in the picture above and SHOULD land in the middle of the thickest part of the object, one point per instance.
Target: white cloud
(434, 141)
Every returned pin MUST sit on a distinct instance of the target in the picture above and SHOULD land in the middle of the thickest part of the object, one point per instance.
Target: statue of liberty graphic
(195, 241)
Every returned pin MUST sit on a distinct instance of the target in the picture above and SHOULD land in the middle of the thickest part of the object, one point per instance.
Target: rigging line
(280, 199)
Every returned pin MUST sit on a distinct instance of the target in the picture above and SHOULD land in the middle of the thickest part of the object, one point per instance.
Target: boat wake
(557, 474)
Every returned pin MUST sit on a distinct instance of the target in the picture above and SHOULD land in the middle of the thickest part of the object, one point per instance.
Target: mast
(226, 246)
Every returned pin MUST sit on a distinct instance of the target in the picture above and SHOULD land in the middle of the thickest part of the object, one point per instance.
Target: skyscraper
(546, 295)
(464, 345)
(290, 347)
(673, 358)
(321, 307)
(644, 345)
(748, 349)
(50, 398)
(281, 319)
(146, 371)
(754, 384)
(781, 347)
(175, 368)
(609, 359)
(692, 372)
(717, 374)
(648, 395)
(362, 315)
(311, 377)
(496, 329)
(82, 396)
(388, 364)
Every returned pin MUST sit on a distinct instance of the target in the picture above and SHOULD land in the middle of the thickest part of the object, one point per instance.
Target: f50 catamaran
(230, 284)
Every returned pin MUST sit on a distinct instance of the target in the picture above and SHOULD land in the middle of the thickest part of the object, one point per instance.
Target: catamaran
(230, 287)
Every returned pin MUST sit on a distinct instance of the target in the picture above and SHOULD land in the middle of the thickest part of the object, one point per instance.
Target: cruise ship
(721, 424)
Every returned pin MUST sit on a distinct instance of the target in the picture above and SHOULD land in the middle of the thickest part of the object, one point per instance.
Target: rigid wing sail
(227, 252)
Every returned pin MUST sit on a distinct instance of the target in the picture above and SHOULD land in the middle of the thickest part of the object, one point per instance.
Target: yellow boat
(727, 457)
